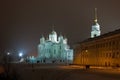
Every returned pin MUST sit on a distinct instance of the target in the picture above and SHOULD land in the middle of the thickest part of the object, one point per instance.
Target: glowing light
(20, 54)
(8, 53)
(86, 50)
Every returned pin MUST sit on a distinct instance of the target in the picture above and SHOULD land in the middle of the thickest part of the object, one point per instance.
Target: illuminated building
(102, 50)
(53, 50)
(95, 27)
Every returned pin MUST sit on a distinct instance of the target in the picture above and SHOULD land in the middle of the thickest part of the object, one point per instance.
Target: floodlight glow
(8, 53)
(20, 54)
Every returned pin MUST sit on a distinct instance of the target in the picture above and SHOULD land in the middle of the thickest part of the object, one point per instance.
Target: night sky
(22, 22)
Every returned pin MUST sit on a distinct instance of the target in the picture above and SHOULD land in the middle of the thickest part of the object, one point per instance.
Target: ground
(63, 72)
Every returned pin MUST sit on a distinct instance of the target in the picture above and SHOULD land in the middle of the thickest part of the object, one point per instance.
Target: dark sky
(22, 22)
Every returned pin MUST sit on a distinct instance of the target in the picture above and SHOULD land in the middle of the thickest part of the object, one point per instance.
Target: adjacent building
(99, 50)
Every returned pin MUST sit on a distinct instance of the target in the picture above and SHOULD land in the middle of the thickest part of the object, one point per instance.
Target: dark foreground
(62, 72)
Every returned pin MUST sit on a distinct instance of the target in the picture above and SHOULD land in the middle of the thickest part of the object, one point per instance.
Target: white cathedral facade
(54, 49)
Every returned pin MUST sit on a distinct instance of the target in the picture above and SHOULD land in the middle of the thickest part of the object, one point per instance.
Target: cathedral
(54, 49)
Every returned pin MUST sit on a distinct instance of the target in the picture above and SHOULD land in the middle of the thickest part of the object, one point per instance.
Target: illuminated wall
(100, 51)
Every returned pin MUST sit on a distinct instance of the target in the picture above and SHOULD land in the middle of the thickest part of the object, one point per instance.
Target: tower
(53, 35)
(95, 27)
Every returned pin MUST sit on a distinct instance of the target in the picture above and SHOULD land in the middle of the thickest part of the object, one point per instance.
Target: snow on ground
(63, 72)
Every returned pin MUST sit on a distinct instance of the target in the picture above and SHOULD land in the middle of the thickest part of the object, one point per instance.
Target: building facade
(54, 49)
(100, 51)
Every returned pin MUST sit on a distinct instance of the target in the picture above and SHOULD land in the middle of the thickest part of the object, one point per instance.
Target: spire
(53, 30)
(95, 20)
(60, 33)
(53, 26)
(42, 36)
(95, 27)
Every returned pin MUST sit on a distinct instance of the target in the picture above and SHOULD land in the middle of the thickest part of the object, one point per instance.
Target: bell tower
(95, 27)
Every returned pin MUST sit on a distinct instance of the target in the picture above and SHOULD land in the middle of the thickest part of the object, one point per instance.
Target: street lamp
(8, 61)
(8, 56)
(20, 57)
